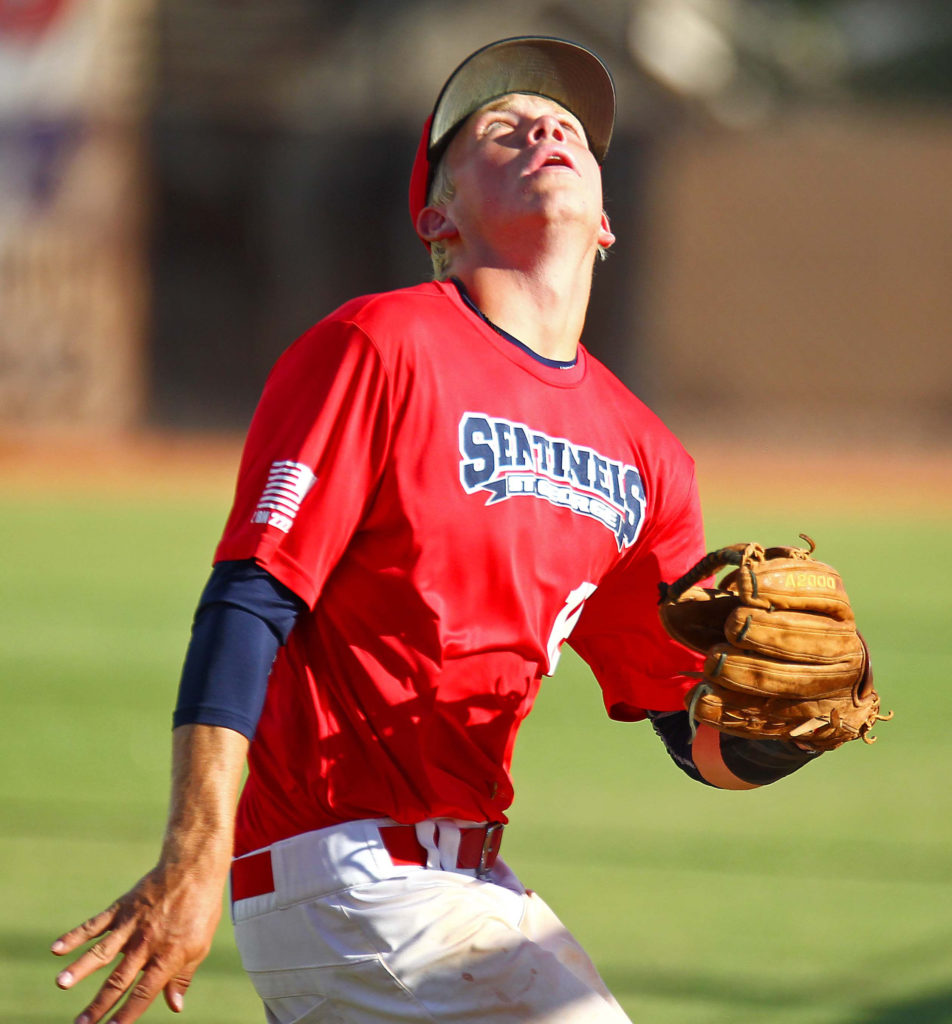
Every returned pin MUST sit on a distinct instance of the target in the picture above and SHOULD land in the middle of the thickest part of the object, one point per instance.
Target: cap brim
(560, 70)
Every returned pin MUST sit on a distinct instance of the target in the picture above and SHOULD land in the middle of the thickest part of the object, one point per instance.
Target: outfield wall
(798, 279)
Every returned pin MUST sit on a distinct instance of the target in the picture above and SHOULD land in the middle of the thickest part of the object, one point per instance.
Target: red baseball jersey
(451, 509)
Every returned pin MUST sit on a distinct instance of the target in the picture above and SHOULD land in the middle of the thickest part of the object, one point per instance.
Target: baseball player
(439, 487)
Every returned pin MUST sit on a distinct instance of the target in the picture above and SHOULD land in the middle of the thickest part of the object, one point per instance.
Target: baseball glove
(783, 658)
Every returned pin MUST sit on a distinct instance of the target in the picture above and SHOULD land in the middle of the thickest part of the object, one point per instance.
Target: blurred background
(186, 185)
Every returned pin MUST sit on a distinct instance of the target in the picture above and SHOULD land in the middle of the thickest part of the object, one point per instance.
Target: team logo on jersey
(288, 483)
(509, 460)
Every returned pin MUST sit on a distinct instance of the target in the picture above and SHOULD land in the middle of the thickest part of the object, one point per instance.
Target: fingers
(120, 981)
(142, 990)
(142, 994)
(89, 929)
(155, 979)
(120, 940)
(98, 955)
(175, 991)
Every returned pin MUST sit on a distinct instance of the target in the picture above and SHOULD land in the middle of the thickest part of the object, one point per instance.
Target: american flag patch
(288, 483)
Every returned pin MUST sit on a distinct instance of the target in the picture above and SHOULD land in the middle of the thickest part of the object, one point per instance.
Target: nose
(546, 127)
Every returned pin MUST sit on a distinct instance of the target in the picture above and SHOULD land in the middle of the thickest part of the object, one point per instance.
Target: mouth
(556, 158)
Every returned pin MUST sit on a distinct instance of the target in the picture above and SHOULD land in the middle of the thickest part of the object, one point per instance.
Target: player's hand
(162, 928)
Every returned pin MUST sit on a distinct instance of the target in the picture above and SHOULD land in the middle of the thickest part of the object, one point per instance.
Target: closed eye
(495, 124)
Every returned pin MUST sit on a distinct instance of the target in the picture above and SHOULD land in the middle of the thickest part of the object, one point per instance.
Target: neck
(543, 304)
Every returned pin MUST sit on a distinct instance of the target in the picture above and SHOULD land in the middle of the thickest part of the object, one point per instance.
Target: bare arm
(163, 926)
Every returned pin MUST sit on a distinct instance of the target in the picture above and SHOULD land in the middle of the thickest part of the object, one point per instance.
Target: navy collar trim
(559, 364)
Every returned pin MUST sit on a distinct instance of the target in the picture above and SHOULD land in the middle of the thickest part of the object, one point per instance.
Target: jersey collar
(558, 364)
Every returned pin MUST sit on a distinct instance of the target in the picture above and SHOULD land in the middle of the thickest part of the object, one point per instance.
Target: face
(523, 159)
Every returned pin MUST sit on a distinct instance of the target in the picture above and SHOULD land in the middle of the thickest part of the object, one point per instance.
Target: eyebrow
(504, 103)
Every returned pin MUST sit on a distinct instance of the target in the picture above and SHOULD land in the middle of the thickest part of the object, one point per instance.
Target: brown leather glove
(783, 657)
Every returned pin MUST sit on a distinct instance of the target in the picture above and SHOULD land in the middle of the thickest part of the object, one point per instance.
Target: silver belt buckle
(489, 836)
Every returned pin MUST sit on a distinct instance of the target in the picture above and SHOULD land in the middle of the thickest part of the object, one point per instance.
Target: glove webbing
(708, 565)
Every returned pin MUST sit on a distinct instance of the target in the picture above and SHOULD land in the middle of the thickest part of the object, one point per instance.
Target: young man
(440, 486)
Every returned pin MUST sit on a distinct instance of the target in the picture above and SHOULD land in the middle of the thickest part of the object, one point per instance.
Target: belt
(253, 875)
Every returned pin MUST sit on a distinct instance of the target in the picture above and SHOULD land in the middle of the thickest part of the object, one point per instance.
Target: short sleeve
(312, 459)
(619, 634)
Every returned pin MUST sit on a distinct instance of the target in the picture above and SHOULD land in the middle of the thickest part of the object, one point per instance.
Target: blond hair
(441, 192)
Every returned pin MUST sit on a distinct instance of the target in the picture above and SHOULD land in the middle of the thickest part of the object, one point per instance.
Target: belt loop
(490, 846)
(427, 833)
(448, 839)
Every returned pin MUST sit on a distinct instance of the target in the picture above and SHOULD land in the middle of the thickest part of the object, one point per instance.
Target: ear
(605, 237)
(433, 224)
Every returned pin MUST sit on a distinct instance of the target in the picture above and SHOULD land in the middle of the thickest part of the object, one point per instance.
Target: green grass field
(826, 899)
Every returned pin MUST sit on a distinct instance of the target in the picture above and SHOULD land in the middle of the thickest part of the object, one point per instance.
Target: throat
(467, 299)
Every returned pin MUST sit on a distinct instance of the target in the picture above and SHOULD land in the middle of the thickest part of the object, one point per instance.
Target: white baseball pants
(348, 937)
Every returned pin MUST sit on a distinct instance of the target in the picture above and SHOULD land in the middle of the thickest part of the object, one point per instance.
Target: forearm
(162, 928)
(207, 764)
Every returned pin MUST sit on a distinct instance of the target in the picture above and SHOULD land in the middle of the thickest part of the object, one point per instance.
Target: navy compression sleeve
(758, 762)
(673, 728)
(243, 617)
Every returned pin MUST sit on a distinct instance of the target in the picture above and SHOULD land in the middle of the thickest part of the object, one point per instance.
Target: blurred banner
(73, 206)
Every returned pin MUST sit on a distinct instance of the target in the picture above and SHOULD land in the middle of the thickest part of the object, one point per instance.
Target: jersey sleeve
(619, 633)
(312, 459)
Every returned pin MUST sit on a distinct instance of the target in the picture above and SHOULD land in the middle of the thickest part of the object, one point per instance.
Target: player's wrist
(194, 860)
